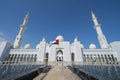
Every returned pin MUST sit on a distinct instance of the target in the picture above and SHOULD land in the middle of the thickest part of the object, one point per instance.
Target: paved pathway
(59, 73)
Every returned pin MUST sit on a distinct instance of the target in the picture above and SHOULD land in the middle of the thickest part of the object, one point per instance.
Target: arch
(72, 57)
(28, 58)
(109, 59)
(32, 57)
(99, 58)
(46, 58)
(91, 58)
(18, 57)
(21, 58)
(112, 56)
(25, 58)
(95, 58)
(106, 59)
(84, 58)
(59, 55)
(102, 58)
(87, 56)
(12, 56)
(15, 58)
(35, 58)
(8, 58)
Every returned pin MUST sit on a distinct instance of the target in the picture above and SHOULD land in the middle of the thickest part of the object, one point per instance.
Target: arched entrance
(72, 57)
(59, 56)
(46, 58)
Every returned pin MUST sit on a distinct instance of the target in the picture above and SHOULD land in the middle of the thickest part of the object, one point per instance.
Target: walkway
(58, 73)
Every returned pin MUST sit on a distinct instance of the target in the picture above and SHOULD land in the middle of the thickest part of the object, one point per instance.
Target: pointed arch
(72, 57)
(59, 55)
(46, 58)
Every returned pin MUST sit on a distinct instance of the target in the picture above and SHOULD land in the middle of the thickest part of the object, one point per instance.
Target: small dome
(43, 40)
(27, 46)
(82, 46)
(92, 46)
(37, 47)
(60, 38)
(75, 40)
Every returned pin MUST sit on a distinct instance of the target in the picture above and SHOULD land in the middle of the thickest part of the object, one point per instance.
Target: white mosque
(60, 50)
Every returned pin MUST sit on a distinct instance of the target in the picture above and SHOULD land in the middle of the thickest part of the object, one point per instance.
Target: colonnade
(106, 58)
(22, 57)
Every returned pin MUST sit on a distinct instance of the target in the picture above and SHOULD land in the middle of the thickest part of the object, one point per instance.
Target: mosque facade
(60, 50)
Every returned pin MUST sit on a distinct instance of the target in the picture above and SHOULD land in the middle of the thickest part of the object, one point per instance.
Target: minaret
(102, 40)
(19, 37)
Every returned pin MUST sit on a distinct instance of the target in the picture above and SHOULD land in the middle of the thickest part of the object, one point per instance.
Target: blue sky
(70, 18)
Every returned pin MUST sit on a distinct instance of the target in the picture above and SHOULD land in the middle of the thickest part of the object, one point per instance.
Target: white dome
(37, 47)
(43, 40)
(75, 40)
(92, 46)
(27, 46)
(60, 38)
(82, 46)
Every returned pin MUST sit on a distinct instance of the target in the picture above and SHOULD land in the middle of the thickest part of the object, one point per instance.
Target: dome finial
(43, 39)
(75, 40)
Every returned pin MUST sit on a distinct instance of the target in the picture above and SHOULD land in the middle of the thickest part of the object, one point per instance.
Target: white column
(19, 37)
(101, 37)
